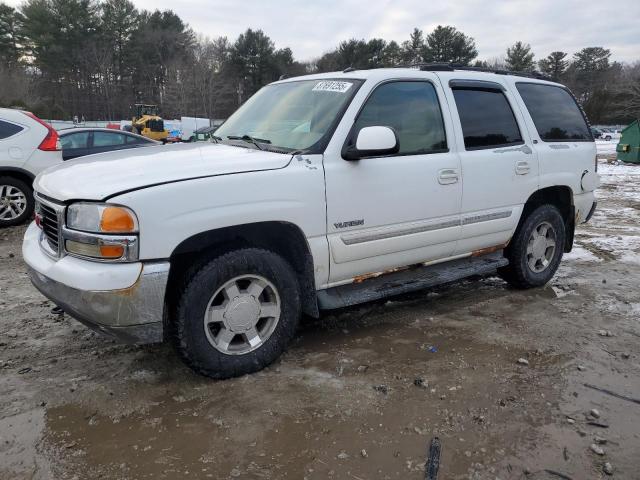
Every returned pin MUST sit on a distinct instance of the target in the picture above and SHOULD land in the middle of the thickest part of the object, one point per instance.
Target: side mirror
(373, 142)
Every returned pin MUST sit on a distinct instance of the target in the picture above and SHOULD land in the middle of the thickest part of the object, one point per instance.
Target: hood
(97, 177)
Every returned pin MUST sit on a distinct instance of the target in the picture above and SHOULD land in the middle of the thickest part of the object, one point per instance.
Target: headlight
(101, 218)
(101, 231)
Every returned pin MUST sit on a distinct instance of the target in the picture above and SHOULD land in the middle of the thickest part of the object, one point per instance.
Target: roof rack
(451, 67)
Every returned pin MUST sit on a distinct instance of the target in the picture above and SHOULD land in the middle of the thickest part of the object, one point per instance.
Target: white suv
(322, 191)
(27, 146)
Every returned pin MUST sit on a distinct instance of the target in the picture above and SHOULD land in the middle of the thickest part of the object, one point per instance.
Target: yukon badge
(350, 223)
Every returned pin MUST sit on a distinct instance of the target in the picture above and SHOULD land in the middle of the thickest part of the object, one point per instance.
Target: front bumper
(125, 301)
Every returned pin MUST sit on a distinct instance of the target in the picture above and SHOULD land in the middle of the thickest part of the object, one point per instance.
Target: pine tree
(519, 57)
(448, 45)
(413, 49)
(554, 65)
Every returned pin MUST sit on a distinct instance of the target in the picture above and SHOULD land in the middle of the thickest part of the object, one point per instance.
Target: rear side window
(107, 139)
(486, 118)
(135, 140)
(412, 110)
(555, 113)
(8, 129)
(75, 140)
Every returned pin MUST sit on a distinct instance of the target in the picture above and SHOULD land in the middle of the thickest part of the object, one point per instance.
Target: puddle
(314, 414)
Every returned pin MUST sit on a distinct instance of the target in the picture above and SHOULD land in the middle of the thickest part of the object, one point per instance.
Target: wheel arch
(18, 173)
(283, 238)
(560, 196)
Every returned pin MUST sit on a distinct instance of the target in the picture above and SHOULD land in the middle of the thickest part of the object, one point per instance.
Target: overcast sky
(312, 27)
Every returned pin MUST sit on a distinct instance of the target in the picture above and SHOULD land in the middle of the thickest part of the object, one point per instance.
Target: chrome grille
(51, 218)
(50, 226)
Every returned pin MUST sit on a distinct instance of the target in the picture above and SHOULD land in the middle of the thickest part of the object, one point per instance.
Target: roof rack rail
(451, 67)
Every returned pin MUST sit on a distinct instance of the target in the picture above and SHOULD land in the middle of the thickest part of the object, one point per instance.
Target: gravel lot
(360, 393)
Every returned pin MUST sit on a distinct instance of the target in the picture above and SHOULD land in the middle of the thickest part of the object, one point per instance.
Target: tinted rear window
(107, 139)
(486, 118)
(8, 129)
(555, 113)
(135, 140)
(75, 140)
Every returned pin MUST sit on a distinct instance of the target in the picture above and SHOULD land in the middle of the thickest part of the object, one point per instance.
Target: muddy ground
(360, 393)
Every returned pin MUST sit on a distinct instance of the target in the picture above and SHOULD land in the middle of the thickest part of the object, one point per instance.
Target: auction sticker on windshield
(332, 86)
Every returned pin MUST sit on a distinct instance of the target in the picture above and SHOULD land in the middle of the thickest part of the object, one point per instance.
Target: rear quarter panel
(561, 163)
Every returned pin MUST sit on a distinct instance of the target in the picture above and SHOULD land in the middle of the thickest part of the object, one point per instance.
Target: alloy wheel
(242, 314)
(541, 247)
(13, 202)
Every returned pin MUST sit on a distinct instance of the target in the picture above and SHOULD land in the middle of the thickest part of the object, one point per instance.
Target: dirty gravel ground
(343, 401)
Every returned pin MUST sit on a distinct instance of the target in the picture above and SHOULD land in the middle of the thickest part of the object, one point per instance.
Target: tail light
(596, 168)
(51, 142)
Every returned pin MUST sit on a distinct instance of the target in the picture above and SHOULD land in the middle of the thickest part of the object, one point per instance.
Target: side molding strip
(356, 238)
(372, 236)
(486, 217)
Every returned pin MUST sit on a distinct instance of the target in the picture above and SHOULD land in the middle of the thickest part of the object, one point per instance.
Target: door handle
(447, 176)
(522, 167)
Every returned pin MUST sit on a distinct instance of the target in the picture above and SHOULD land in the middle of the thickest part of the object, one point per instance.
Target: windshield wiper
(250, 139)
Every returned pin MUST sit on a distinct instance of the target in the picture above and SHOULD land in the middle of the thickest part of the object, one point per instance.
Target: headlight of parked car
(101, 231)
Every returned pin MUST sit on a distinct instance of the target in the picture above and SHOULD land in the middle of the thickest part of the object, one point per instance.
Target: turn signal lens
(117, 220)
(111, 251)
(108, 252)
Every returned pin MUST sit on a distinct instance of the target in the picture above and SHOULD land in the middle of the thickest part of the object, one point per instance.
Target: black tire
(519, 273)
(198, 288)
(28, 193)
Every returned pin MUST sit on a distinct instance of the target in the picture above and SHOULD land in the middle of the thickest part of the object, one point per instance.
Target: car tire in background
(16, 201)
(237, 313)
(536, 249)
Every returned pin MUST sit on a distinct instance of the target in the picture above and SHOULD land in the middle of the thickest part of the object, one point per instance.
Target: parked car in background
(78, 142)
(596, 132)
(27, 146)
(609, 134)
(321, 192)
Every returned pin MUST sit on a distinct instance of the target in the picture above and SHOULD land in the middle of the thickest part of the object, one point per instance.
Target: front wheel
(16, 202)
(237, 313)
(536, 249)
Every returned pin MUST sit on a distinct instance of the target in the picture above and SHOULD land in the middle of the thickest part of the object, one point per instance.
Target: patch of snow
(629, 257)
(606, 147)
(614, 243)
(605, 168)
(580, 254)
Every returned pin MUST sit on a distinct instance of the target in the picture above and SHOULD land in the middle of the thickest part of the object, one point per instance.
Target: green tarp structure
(628, 149)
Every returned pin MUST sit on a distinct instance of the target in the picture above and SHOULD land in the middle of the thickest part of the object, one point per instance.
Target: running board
(408, 280)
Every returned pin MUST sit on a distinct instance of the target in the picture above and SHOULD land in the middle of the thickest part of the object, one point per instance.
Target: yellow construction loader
(148, 123)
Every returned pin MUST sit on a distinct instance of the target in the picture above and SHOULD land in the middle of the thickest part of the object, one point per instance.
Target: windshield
(293, 115)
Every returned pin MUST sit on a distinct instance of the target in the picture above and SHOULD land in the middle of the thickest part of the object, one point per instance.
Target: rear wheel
(536, 249)
(237, 313)
(16, 202)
